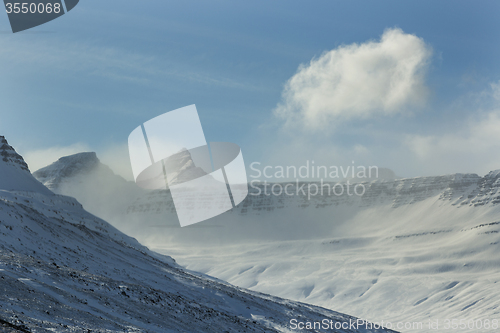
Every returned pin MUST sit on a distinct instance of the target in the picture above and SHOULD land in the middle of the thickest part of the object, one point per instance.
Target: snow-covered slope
(408, 249)
(412, 250)
(14, 171)
(65, 270)
(412, 268)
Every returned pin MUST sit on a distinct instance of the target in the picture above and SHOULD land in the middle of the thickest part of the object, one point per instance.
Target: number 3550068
(32, 8)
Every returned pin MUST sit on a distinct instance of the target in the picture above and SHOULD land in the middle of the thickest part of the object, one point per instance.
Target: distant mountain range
(407, 249)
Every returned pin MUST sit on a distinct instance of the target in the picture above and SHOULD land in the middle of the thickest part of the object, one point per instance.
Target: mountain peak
(67, 166)
(493, 174)
(14, 172)
(85, 160)
(10, 156)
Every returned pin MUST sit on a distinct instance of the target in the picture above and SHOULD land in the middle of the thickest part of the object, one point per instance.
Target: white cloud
(358, 81)
(40, 158)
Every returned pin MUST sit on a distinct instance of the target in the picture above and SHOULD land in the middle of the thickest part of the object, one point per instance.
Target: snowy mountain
(414, 249)
(94, 184)
(56, 174)
(14, 171)
(307, 214)
(65, 270)
(182, 168)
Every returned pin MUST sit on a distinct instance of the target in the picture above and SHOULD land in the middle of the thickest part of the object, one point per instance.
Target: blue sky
(87, 79)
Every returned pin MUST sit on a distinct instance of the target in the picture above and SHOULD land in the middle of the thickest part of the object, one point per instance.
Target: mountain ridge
(10, 156)
(14, 172)
(69, 166)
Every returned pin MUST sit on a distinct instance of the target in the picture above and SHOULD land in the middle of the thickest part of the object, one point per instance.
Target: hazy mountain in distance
(94, 184)
(183, 168)
(263, 215)
(54, 175)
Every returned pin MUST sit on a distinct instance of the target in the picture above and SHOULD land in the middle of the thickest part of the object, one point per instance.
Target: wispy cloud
(110, 63)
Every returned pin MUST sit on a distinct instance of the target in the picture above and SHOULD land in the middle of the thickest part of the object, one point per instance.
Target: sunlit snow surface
(426, 260)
